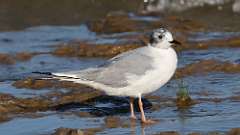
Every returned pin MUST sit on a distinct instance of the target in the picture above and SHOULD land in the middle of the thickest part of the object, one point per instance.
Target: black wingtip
(42, 73)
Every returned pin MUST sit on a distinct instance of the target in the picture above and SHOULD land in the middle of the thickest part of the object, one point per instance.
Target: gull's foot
(148, 121)
(133, 117)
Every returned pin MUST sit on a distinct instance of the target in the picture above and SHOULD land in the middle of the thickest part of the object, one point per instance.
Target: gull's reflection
(143, 129)
(133, 127)
(182, 114)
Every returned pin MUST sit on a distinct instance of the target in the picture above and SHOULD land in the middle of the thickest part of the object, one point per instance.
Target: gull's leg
(143, 118)
(132, 108)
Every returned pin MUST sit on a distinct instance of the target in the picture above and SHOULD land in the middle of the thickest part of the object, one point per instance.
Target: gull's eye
(160, 36)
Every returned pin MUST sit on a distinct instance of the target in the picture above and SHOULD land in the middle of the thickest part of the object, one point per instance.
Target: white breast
(165, 63)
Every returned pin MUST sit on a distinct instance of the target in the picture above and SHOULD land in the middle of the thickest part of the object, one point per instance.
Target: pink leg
(132, 108)
(143, 118)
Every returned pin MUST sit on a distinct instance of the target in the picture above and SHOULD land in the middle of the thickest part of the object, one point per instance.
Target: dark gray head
(162, 38)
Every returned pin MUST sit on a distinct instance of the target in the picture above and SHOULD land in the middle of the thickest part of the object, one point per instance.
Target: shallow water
(205, 36)
(202, 117)
(205, 116)
(194, 119)
(41, 38)
(221, 54)
(214, 85)
(46, 63)
(45, 125)
(6, 87)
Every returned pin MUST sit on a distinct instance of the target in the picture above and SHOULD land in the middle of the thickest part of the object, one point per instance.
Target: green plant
(183, 96)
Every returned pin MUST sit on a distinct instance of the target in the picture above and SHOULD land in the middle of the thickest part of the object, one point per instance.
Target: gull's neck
(162, 52)
(162, 45)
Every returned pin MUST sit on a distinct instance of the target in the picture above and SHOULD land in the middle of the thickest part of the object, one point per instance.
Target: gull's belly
(159, 78)
(154, 80)
(162, 72)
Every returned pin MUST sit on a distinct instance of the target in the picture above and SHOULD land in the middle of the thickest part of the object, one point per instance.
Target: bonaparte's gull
(132, 73)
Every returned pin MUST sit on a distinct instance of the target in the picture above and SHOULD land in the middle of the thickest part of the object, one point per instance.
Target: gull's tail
(44, 75)
(58, 76)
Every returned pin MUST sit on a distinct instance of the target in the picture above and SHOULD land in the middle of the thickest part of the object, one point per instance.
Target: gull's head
(162, 38)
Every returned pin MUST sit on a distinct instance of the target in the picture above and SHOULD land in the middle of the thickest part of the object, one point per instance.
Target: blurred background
(61, 35)
(17, 15)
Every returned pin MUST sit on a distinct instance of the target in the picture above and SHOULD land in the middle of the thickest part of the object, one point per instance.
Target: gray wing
(114, 72)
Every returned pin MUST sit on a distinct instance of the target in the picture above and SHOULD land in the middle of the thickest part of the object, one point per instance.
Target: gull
(132, 73)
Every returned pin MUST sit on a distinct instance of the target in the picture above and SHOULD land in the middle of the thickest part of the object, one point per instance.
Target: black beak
(175, 42)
